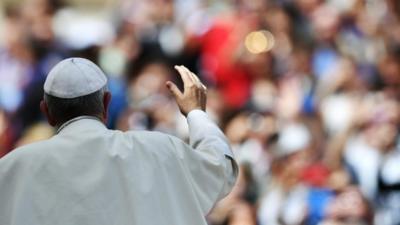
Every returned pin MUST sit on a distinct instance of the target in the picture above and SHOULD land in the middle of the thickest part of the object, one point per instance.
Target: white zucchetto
(74, 77)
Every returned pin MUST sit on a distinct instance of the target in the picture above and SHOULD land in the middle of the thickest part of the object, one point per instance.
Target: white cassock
(89, 175)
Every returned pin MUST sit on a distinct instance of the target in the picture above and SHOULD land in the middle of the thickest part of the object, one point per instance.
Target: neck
(64, 124)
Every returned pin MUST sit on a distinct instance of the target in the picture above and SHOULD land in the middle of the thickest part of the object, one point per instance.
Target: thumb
(174, 89)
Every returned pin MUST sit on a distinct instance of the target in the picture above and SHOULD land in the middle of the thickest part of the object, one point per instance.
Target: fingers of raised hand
(189, 79)
(185, 75)
(174, 89)
(198, 82)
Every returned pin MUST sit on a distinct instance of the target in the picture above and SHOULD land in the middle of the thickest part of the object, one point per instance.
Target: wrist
(194, 112)
(186, 114)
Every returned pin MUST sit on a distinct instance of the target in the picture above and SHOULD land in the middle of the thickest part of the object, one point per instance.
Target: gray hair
(63, 109)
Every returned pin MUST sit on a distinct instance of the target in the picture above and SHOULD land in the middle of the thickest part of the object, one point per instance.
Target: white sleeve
(207, 162)
(203, 130)
(210, 142)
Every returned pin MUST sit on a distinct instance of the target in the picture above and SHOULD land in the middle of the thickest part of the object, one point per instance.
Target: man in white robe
(87, 174)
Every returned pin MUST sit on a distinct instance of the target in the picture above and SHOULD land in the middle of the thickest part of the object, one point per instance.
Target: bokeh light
(259, 41)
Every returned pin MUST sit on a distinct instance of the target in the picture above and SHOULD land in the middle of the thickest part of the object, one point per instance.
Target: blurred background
(307, 91)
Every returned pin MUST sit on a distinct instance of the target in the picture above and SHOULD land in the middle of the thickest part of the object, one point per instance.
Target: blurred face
(150, 81)
(251, 9)
(13, 32)
(279, 21)
(389, 69)
(348, 205)
(325, 21)
(237, 129)
(35, 7)
(242, 214)
(289, 169)
(383, 121)
(215, 104)
(307, 6)
(41, 28)
(382, 135)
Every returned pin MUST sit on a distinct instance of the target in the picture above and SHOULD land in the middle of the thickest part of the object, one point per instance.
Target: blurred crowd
(307, 92)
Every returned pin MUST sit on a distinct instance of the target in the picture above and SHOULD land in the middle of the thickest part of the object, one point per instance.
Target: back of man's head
(64, 109)
(74, 87)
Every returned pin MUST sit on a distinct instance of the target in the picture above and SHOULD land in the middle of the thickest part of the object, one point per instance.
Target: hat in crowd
(293, 138)
(74, 77)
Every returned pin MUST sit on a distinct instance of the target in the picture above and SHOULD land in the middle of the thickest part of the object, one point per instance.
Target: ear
(45, 111)
(106, 104)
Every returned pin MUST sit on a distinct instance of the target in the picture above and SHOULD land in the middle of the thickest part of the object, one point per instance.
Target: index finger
(193, 76)
(187, 80)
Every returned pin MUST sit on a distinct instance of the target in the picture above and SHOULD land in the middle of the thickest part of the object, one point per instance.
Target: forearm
(206, 137)
(203, 132)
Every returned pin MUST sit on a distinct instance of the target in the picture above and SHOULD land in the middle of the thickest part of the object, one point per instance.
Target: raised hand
(194, 95)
